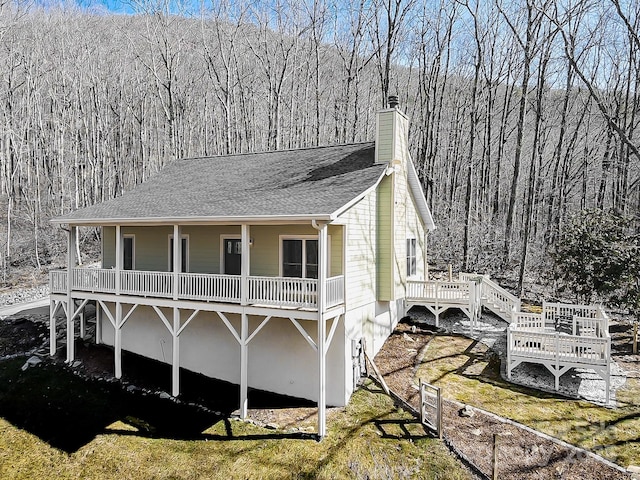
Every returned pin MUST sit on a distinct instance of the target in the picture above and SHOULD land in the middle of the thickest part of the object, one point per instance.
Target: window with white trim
(128, 252)
(411, 257)
(184, 263)
(299, 257)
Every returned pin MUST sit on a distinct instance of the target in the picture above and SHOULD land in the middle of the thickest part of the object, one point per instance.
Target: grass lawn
(468, 372)
(55, 425)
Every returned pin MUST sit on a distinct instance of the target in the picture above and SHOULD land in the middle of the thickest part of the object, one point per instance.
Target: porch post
(176, 352)
(119, 259)
(322, 279)
(244, 332)
(71, 263)
(244, 266)
(177, 259)
(117, 344)
(177, 268)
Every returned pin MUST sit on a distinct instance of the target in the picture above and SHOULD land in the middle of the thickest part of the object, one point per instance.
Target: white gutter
(193, 220)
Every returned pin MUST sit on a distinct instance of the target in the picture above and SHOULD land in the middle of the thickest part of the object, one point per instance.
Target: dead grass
(370, 438)
(468, 372)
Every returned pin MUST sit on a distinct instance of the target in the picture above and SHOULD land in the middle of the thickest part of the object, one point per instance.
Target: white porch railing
(288, 292)
(58, 281)
(146, 284)
(335, 291)
(214, 288)
(276, 291)
(94, 279)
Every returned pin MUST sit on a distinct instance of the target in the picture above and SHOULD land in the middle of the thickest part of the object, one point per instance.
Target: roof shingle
(307, 182)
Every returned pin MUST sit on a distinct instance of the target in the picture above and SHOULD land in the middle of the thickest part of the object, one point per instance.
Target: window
(184, 264)
(300, 257)
(128, 252)
(411, 257)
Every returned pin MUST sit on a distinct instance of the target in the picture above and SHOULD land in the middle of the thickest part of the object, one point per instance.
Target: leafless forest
(522, 111)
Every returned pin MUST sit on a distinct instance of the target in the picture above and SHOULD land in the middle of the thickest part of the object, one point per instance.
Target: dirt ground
(523, 456)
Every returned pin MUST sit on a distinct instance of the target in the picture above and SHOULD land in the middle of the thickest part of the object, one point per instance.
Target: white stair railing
(492, 295)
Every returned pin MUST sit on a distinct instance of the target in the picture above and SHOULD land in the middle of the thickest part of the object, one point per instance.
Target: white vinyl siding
(361, 252)
(184, 261)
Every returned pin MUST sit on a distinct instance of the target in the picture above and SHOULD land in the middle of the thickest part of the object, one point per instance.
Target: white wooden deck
(469, 293)
(439, 296)
(563, 336)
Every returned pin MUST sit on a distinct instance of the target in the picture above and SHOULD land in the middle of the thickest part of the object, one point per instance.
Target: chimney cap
(393, 101)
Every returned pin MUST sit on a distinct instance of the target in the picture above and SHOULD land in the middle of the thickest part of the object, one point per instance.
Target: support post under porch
(322, 354)
(52, 327)
(117, 344)
(71, 263)
(83, 329)
(244, 357)
(244, 329)
(176, 268)
(98, 323)
(175, 366)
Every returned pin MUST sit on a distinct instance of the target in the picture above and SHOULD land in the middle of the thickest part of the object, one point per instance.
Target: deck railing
(559, 346)
(335, 291)
(284, 291)
(527, 321)
(146, 284)
(94, 279)
(438, 290)
(491, 293)
(559, 312)
(494, 294)
(209, 287)
(277, 291)
(58, 281)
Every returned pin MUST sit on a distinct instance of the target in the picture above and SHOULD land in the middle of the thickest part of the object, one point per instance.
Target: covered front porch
(291, 272)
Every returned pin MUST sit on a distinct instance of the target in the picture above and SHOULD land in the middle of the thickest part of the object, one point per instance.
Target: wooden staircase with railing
(493, 296)
(531, 337)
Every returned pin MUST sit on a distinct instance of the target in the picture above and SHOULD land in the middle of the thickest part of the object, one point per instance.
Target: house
(287, 260)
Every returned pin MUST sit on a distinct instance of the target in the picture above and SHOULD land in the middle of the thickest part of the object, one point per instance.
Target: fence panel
(431, 407)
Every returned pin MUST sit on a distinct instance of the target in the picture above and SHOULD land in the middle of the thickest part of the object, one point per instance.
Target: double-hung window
(411, 257)
(184, 261)
(128, 252)
(300, 257)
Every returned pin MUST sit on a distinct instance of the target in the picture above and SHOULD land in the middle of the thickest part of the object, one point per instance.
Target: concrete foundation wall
(280, 359)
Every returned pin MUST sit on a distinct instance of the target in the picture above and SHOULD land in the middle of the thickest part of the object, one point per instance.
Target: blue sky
(133, 6)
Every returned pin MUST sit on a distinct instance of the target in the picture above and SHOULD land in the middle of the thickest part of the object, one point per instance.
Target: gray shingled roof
(309, 182)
